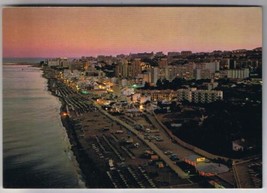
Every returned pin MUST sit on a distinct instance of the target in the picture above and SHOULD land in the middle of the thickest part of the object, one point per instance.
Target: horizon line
(130, 53)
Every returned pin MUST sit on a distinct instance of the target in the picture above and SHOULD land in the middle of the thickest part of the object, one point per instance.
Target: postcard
(132, 97)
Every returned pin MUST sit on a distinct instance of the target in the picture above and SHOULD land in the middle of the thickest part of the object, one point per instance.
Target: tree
(173, 106)
(150, 61)
(159, 104)
(42, 63)
(177, 83)
(159, 84)
(165, 83)
(146, 85)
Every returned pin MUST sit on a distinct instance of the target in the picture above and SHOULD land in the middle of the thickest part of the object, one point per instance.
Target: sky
(92, 31)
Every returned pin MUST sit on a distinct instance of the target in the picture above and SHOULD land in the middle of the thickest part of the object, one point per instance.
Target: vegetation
(225, 123)
(176, 83)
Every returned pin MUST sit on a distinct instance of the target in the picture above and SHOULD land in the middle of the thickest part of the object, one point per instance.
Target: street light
(64, 114)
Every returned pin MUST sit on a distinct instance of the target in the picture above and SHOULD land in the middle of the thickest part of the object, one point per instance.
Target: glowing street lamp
(64, 114)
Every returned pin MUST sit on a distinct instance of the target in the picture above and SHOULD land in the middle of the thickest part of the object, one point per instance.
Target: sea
(36, 149)
(22, 60)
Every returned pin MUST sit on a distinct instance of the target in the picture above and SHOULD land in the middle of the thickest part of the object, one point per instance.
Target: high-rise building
(238, 73)
(163, 62)
(186, 53)
(170, 72)
(172, 56)
(146, 77)
(185, 71)
(121, 69)
(154, 75)
(136, 67)
(225, 63)
(212, 66)
(202, 74)
(232, 64)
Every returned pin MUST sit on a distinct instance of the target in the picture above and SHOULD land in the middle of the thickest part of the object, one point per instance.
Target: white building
(184, 95)
(124, 82)
(127, 91)
(154, 75)
(144, 99)
(136, 97)
(238, 145)
(53, 62)
(62, 62)
(206, 96)
(202, 74)
(170, 72)
(212, 66)
(238, 73)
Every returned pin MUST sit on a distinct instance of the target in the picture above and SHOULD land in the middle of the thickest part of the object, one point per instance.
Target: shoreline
(84, 163)
(73, 157)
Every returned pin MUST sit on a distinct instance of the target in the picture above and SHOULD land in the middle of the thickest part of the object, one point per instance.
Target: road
(181, 151)
(159, 152)
(237, 180)
(241, 174)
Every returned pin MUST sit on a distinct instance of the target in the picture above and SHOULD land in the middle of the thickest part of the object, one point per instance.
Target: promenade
(91, 145)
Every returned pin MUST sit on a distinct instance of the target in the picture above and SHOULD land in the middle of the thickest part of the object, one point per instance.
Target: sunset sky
(91, 31)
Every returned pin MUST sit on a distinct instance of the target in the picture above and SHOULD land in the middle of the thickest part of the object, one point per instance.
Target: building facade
(238, 73)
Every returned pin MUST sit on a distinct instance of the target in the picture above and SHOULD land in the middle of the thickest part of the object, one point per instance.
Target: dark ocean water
(23, 60)
(26, 60)
(36, 150)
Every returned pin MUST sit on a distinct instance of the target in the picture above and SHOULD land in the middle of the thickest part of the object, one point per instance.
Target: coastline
(86, 166)
(83, 129)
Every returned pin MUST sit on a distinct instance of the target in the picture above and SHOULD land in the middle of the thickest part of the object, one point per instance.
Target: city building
(194, 159)
(206, 96)
(53, 62)
(173, 56)
(206, 70)
(184, 95)
(239, 145)
(202, 74)
(204, 167)
(59, 62)
(170, 72)
(158, 95)
(232, 64)
(134, 68)
(142, 55)
(121, 69)
(238, 73)
(190, 95)
(211, 85)
(163, 62)
(154, 75)
(212, 66)
(186, 53)
(185, 71)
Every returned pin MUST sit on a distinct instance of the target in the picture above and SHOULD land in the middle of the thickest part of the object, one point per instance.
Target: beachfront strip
(123, 116)
(130, 148)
